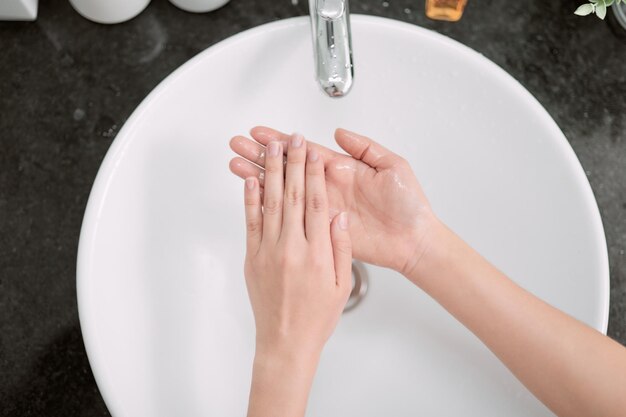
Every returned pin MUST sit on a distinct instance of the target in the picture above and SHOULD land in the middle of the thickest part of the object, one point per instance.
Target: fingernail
(273, 148)
(250, 183)
(343, 221)
(296, 140)
(313, 156)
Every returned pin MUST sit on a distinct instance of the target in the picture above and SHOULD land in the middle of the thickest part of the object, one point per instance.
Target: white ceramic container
(199, 6)
(18, 9)
(109, 11)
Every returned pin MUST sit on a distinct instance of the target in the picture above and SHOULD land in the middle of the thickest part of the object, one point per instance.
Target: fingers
(254, 215)
(252, 154)
(245, 169)
(273, 201)
(342, 250)
(365, 149)
(265, 135)
(248, 149)
(293, 205)
(316, 217)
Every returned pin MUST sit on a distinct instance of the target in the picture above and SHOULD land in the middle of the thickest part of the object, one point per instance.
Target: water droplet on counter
(79, 114)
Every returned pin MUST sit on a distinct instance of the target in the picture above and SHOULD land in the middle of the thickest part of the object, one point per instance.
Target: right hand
(298, 267)
(391, 220)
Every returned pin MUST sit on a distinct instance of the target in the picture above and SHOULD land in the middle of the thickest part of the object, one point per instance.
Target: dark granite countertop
(67, 85)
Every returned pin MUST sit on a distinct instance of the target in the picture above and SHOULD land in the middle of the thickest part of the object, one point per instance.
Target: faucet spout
(332, 45)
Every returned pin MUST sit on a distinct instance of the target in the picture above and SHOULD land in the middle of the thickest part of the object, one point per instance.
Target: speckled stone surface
(67, 85)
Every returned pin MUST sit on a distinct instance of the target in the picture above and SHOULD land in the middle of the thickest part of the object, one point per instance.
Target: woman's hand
(298, 274)
(391, 219)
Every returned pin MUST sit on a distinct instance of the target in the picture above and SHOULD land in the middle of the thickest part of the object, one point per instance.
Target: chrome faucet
(332, 45)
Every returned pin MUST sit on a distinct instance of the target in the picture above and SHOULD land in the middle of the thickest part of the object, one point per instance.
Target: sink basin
(162, 300)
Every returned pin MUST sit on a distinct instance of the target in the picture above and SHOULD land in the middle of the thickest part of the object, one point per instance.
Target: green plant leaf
(601, 9)
(608, 3)
(584, 9)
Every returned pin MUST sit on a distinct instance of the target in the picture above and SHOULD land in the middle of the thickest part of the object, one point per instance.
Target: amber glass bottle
(450, 10)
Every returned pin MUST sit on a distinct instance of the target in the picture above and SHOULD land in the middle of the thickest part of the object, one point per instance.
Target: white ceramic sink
(163, 305)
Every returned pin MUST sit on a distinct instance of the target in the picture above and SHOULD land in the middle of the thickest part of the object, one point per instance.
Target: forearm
(570, 367)
(281, 384)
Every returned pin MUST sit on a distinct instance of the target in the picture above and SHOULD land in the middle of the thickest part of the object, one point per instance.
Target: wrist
(419, 244)
(281, 381)
(286, 358)
(432, 247)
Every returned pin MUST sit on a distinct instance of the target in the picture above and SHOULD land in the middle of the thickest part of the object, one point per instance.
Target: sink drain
(359, 286)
